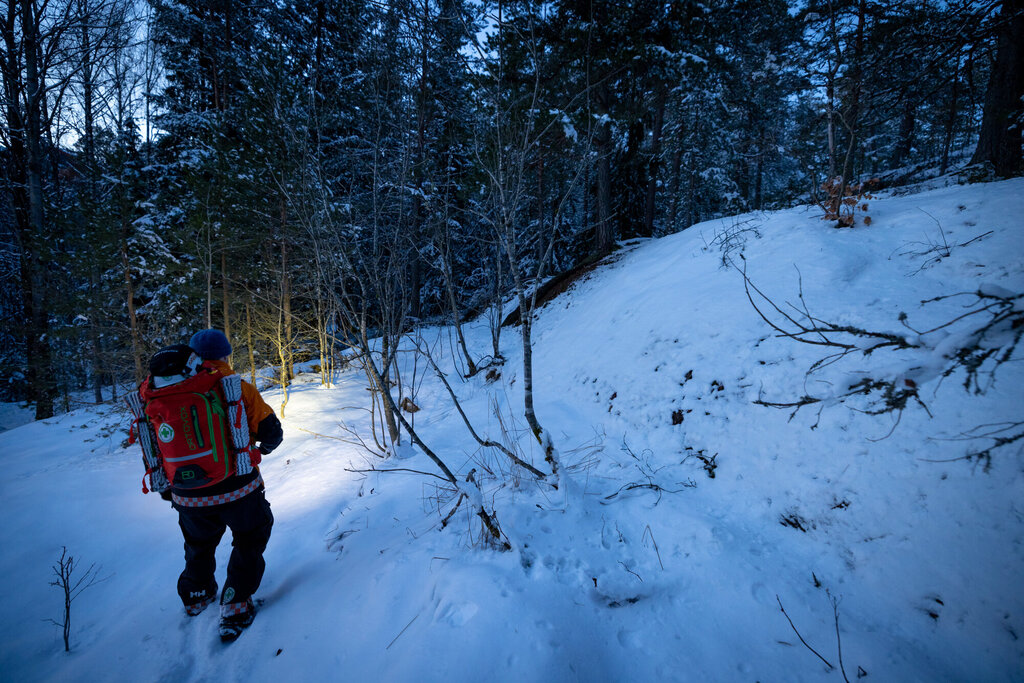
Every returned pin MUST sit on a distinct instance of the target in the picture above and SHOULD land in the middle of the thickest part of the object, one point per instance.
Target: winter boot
(202, 599)
(235, 617)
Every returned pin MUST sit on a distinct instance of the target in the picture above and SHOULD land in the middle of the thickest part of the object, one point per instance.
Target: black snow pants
(250, 521)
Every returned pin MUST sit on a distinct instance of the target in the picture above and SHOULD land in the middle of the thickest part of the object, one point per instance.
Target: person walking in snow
(206, 424)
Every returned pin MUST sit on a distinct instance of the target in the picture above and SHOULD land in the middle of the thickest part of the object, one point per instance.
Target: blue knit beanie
(210, 344)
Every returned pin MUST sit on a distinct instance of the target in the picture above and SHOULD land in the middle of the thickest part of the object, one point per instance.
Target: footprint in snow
(458, 614)
(761, 594)
(629, 638)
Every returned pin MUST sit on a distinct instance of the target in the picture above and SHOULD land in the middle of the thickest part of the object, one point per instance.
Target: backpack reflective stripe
(185, 458)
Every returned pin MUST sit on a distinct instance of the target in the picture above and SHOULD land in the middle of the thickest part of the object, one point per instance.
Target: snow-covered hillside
(691, 513)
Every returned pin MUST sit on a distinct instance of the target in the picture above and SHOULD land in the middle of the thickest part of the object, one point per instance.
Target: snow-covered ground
(14, 415)
(644, 567)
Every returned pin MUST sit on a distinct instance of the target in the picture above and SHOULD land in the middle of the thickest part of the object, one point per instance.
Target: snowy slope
(678, 577)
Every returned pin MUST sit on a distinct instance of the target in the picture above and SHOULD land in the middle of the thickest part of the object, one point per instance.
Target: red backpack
(190, 422)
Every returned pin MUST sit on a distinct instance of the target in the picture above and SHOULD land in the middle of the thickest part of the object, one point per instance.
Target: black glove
(269, 434)
(166, 495)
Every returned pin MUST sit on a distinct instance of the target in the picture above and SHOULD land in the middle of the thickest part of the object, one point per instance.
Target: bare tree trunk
(96, 361)
(281, 343)
(540, 198)
(252, 351)
(529, 412)
(415, 281)
(852, 118)
(125, 208)
(88, 201)
(133, 320)
(40, 367)
(908, 124)
(999, 142)
(416, 267)
(497, 306)
(947, 141)
(676, 185)
(224, 294)
(326, 344)
(832, 69)
(150, 77)
(383, 382)
(587, 184)
(208, 257)
(830, 90)
(605, 228)
(654, 166)
(759, 173)
(287, 371)
(449, 285)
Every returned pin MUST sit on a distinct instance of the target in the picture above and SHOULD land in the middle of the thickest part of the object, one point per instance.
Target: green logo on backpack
(165, 433)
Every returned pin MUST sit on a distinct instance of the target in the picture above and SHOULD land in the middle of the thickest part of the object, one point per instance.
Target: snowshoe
(235, 617)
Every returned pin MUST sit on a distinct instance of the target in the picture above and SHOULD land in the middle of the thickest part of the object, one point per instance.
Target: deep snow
(605, 581)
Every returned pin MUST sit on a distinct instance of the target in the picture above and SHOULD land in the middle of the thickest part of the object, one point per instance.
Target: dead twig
(1000, 433)
(403, 631)
(487, 443)
(839, 641)
(648, 472)
(647, 531)
(652, 487)
(987, 343)
(631, 571)
(448, 517)
(489, 521)
(396, 469)
(817, 654)
(319, 435)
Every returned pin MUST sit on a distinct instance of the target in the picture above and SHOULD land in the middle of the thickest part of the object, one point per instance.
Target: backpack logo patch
(165, 433)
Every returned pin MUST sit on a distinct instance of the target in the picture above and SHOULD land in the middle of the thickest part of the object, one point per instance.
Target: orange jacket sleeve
(255, 407)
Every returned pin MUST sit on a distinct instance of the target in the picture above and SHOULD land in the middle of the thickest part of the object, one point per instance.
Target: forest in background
(311, 176)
